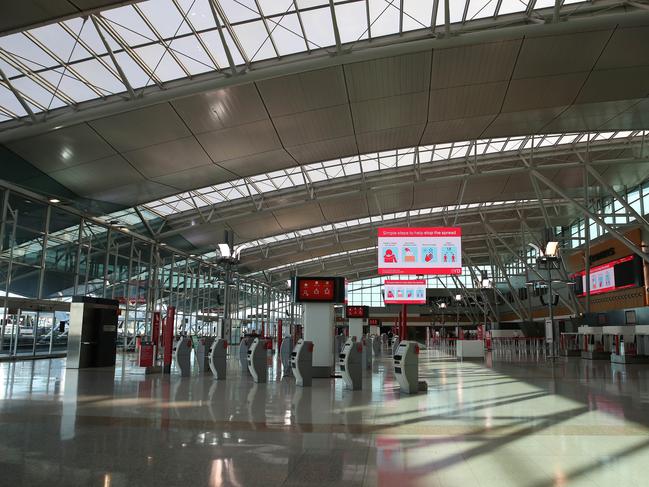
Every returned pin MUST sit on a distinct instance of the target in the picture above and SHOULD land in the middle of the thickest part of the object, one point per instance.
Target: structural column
(318, 328)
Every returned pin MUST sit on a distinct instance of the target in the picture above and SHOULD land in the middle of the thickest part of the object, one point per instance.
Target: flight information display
(410, 250)
(318, 289)
(357, 311)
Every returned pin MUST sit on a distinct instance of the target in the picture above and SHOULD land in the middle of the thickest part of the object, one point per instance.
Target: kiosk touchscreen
(243, 353)
(302, 363)
(406, 367)
(366, 354)
(217, 358)
(202, 346)
(257, 355)
(350, 361)
(395, 345)
(376, 346)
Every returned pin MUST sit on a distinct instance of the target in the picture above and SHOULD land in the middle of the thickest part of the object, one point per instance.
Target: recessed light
(54, 200)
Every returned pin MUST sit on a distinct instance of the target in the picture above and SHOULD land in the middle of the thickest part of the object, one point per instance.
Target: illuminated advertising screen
(432, 250)
(318, 289)
(411, 291)
(618, 274)
(357, 311)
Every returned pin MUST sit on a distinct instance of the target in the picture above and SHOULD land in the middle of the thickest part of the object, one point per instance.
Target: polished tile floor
(509, 421)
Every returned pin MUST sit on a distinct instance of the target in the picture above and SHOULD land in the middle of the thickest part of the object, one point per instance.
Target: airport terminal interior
(324, 242)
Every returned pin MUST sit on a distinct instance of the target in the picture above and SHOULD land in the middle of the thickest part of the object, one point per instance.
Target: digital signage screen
(357, 311)
(412, 291)
(410, 250)
(618, 274)
(318, 289)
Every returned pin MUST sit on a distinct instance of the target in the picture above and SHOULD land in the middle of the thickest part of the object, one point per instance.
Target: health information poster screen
(407, 250)
(404, 292)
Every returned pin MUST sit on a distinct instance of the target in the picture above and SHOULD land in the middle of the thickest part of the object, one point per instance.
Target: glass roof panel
(129, 25)
(349, 17)
(59, 42)
(26, 52)
(37, 93)
(384, 17)
(480, 9)
(255, 41)
(165, 17)
(10, 102)
(287, 34)
(318, 27)
(192, 55)
(135, 75)
(199, 13)
(416, 14)
(160, 62)
(511, 6)
(69, 85)
(271, 7)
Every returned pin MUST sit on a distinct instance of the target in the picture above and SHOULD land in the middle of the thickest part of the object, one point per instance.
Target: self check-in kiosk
(350, 361)
(395, 345)
(217, 355)
(366, 354)
(285, 354)
(302, 363)
(244, 346)
(406, 368)
(183, 354)
(339, 341)
(202, 346)
(257, 355)
(376, 346)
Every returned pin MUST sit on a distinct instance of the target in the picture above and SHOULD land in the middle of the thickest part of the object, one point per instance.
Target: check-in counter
(594, 345)
(469, 349)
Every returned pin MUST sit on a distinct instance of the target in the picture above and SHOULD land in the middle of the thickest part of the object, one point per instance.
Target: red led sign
(357, 311)
(316, 290)
(374, 322)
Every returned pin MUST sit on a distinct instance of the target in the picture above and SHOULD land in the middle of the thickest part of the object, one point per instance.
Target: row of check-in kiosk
(352, 357)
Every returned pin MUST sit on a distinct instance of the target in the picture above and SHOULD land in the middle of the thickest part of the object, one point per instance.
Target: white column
(356, 327)
(319, 328)
(375, 330)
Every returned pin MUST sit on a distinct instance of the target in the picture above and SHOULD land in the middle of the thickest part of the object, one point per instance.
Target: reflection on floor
(503, 423)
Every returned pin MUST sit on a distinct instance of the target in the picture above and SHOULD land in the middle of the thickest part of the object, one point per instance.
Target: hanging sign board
(430, 250)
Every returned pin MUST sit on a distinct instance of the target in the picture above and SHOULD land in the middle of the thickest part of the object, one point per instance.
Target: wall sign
(432, 250)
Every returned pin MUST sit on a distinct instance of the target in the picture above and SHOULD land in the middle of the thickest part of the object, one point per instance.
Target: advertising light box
(411, 291)
(612, 276)
(432, 250)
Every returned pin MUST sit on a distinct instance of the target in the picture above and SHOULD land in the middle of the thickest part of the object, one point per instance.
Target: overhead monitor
(318, 289)
(357, 311)
(412, 291)
(430, 250)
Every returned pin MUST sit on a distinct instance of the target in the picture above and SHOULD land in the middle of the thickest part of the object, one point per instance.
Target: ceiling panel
(629, 46)
(97, 176)
(258, 163)
(255, 226)
(306, 215)
(243, 140)
(389, 139)
(543, 92)
(218, 109)
(388, 200)
(315, 125)
(456, 130)
(142, 127)
(481, 63)
(486, 188)
(616, 84)
(635, 117)
(588, 116)
(518, 186)
(620, 175)
(466, 101)
(344, 208)
(204, 235)
(558, 54)
(394, 111)
(133, 194)
(391, 76)
(323, 150)
(196, 177)
(305, 91)
(430, 194)
(522, 123)
(62, 148)
(169, 157)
